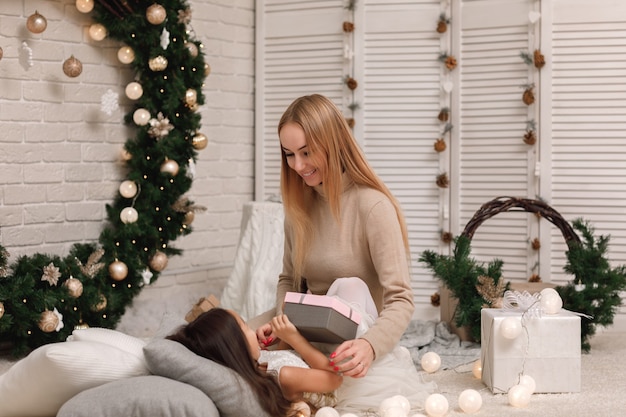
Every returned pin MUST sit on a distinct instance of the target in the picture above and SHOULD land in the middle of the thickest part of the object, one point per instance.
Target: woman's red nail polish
(336, 368)
(270, 340)
(332, 363)
(332, 355)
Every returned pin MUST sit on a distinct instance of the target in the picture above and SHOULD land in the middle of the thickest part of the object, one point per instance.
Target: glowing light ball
(134, 90)
(551, 302)
(477, 369)
(436, 405)
(430, 362)
(128, 189)
(84, 6)
(97, 32)
(404, 403)
(528, 382)
(511, 327)
(470, 401)
(129, 215)
(327, 412)
(141, 117)
(519, 396)
(126, 55)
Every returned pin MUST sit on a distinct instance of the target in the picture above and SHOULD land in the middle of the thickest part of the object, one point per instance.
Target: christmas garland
(43, 298)
(594, 291)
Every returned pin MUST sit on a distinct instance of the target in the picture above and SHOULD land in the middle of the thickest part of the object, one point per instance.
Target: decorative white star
(146, 274)
(60, 316)
(165, 39)
(109, 102)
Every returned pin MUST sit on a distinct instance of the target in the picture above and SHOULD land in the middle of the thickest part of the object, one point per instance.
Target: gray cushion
(230, 393)
(150, 395)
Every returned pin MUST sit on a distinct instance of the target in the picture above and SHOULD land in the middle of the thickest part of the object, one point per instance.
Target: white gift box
(547, 349)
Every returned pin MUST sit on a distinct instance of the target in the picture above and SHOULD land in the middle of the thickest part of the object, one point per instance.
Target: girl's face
(253, 342)
(293, 143)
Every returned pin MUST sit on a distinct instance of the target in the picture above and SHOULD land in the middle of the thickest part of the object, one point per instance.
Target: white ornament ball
(394, 412)
(129, 215)
(349, 415)
(431, 362)
(97, 32)
(84, 6)
(141, 117)
(511, 327)
(551, 302)
(387, 404)
(128, 189)
(327, 412)
(528, 382)
(470, 401)
(436, 405)
(134, 90)
(126, 55)
(418, 415)
(404, 403)
(519, 396)
(477, 369)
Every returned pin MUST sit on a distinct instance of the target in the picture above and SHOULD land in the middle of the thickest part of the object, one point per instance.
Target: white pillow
(39, 384)
(129, 344)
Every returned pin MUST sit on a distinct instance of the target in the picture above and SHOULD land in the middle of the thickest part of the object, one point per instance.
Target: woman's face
(293, 143)
(253, 342)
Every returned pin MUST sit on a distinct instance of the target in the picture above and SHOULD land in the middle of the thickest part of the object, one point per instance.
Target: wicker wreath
(504, 204)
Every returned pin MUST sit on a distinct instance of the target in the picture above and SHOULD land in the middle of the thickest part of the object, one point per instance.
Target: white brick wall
(59, 153)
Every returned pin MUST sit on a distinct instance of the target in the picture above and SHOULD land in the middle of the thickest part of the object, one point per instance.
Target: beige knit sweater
(366, 243)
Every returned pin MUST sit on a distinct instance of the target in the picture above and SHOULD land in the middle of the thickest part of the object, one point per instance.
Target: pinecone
(348, 27)
(442, 26)
(444, 115)
(539, 59)
(440, 145)
(530, 138)
(536, 243)
(435, 299)
(534, 278)
(529, 96)
(350, 122)
(351, 83)
(446, 237)
(442, 180)
(450, 62)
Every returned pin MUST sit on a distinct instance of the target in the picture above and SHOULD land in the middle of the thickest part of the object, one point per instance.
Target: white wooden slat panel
(399, 110)
(299, 51)
(589, 121)
(494, 161)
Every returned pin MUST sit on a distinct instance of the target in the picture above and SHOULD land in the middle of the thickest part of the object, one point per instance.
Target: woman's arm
(294, 381)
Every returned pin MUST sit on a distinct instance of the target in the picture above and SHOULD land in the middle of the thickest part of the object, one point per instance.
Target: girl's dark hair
(216, 335)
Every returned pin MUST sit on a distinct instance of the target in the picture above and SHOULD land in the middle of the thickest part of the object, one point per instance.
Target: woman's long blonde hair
(334, 151)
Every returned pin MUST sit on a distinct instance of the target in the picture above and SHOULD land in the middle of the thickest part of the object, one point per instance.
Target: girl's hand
(283, 328)
(264, 335)
(353, 358)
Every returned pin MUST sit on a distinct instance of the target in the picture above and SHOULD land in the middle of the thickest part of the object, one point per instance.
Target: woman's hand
(353, 358)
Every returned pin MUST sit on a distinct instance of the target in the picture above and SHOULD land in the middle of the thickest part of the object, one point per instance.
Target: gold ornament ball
(192, 48)
(1, 52)
(129, 215)
(118, 270)
(189, 218)
(170, 167)
(36, 23)
(156, 14)
(102, 303)
(74, 287)
(48, 321)
(158, 63)
(1, 309)
(207, 70)
(84, 6)
(72, 67)
(125, 155)
(158, 262)
(81, 326)
(191, 96)
(200, 141)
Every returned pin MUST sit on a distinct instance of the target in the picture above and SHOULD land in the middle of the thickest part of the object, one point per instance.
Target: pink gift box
(320, 318)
